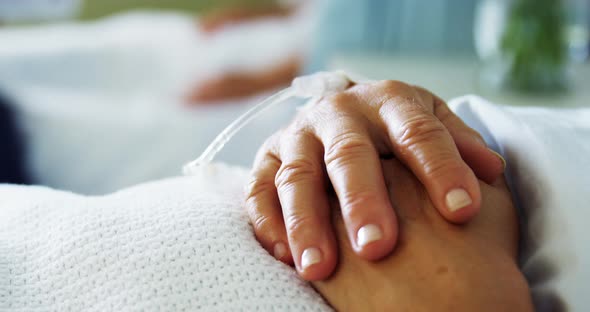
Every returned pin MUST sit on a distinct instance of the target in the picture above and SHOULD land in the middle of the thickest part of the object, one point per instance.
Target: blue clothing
(392, 26)
(12, 156)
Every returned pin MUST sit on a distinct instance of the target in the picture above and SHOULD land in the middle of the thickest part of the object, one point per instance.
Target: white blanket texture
(181, 244)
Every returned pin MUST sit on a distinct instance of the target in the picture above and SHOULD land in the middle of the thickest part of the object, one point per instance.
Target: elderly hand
(436, 266)
(337, 143)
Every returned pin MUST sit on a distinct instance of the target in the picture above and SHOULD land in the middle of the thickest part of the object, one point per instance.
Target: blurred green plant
(534, 43)
(92, 9)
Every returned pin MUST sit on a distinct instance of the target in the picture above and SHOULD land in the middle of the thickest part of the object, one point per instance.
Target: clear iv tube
(226, 135)
(315, 85)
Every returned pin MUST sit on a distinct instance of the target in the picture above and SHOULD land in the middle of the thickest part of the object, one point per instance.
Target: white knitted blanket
(182, 244)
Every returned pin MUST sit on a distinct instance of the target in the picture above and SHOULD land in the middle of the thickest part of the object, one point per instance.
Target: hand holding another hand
(436, 266)
(339, 143)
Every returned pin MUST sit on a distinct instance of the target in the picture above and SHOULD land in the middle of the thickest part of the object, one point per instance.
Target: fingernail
(310, 257)
(499, 156)
(368, 234)
(280, 250)
(457, 199)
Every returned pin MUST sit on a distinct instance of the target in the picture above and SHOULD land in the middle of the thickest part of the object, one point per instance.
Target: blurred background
(97, 95)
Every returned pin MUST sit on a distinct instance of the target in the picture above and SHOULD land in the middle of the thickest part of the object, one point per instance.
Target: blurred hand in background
(239, 84)
(228, 16)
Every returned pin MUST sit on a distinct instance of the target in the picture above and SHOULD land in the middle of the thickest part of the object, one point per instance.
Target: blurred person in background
(240, 84)
(12, 163)
(12, 167)
(12, 151)
(344, 27)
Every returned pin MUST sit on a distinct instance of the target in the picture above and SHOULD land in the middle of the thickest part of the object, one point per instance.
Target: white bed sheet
(548, 155)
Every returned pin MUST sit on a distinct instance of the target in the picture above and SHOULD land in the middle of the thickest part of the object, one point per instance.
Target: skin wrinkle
(297, 171)
(417, 130)
(356, 129)
(438, 169)
(260, 183)
(446, 116)
(301, 135)
(346, 109)
(270, 229)
(260, 221)
(350, 200)
(300, 223)
(385, 112)
(382, 126)
(371, 276)
(258, 186)
(345, 148)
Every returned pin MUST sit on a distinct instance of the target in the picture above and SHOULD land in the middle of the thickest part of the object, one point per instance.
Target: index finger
(354, 168)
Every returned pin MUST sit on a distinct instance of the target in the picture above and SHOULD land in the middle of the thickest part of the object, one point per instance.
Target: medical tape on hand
(312, 86)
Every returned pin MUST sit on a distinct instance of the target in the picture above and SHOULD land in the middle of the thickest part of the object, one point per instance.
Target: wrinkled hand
(436, 266)
(338, 143)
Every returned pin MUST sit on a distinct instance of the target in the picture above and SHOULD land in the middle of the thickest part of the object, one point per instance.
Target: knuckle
(419, 130)
(424, 94)
(392, 86)
(258, 186)
(273, 139)
(352, 202)
(268, 148)
(445, 115)
(263, 225)
(302, 123)
(298, 223)
(346, 147)
(340, 101)
(444, 166)
(439, 103)
(296, 171)
(299, 132)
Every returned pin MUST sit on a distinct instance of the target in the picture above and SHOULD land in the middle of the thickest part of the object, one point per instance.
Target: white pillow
(177, 244)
